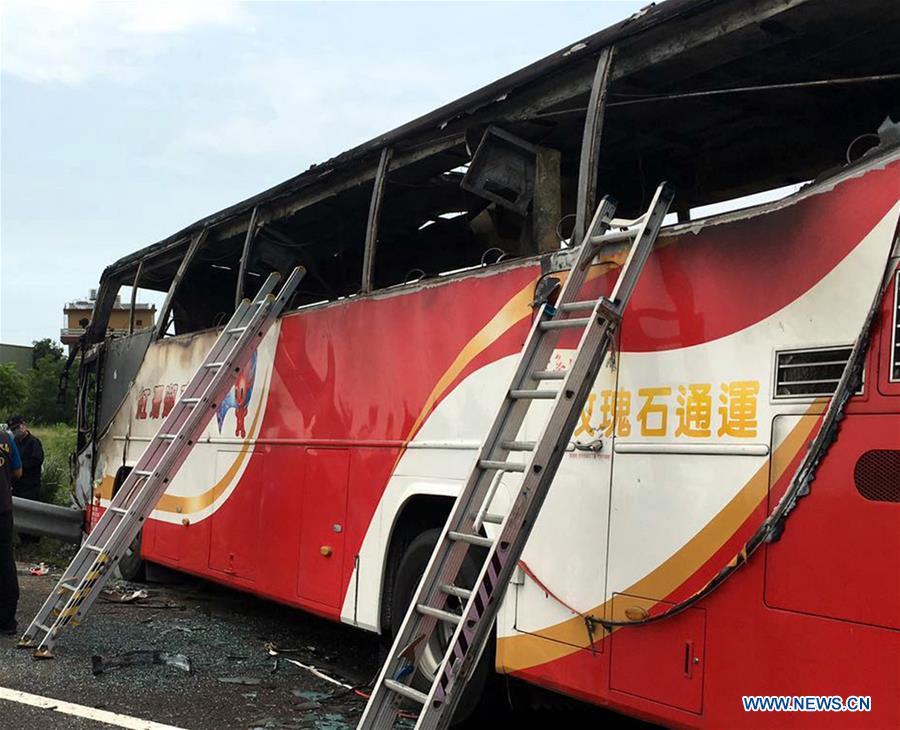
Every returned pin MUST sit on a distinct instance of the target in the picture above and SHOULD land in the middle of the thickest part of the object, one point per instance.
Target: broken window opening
(140, 307)
(205, 297)
(198, 302)
(457, 209)
(326, 238)
(746, 201)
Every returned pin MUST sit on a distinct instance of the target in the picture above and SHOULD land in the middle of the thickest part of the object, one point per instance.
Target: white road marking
(89, 713)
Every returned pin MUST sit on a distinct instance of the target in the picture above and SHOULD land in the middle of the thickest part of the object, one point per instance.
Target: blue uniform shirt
(9, 461)
(15, 460)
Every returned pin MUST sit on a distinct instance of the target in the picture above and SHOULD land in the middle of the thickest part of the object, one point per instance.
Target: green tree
(45, 348)
(43, 404)
(13, 390)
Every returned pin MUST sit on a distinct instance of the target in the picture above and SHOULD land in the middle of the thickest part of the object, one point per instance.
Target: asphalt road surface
(235, 681)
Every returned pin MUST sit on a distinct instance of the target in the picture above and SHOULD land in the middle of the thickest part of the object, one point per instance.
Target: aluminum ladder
(138, 495)
(463, 531)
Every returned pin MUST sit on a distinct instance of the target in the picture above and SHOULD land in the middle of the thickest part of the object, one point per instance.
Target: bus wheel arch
(418, 514)
(415, 532)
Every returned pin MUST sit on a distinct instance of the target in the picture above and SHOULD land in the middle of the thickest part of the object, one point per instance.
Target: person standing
(10, 469)
(32, 453)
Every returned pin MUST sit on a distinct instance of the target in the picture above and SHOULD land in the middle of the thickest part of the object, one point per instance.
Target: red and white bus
(327, 473)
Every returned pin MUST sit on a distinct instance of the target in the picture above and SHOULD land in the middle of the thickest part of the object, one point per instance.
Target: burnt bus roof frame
(649, 39)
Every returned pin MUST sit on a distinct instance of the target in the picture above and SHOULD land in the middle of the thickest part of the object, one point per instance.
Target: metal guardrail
(48, 520)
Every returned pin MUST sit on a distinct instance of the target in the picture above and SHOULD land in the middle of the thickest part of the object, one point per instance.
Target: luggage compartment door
(324, 515)
(234, 529)
(661, 662)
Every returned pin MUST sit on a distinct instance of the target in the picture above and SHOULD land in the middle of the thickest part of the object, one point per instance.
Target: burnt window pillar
(134, 288)
(590, 144)
(245, 256)
(166, 308)
(384, 164)
(546, 209)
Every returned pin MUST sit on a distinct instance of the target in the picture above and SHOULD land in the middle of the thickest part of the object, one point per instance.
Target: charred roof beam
(647, 39)
(641, 52)
(290, 204)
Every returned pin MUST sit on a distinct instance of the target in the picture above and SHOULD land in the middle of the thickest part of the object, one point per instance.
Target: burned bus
(326, 475)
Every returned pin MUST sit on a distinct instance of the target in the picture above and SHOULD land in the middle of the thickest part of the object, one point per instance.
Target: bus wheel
(131, 564)
(409, 572)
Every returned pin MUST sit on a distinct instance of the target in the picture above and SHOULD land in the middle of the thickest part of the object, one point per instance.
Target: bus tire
(410, 568)
(131, 565)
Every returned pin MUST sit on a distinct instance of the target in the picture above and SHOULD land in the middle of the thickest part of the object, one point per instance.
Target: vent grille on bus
(804, 373)
(895, 342)
(877, 475)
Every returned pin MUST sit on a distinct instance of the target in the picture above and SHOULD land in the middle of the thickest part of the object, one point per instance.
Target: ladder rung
(450, 590)
(95, 548)
(533, 394)
(143, 473)
(492, 518)
(578, 306)
(167, 436)
(190, 401)
(234, 330)
(558, 324)
(471, 539)
(119, 510)
(450, 618)
(69, 587)
(214, 364)
(501, 465)
(518, 445)
(406, 691)
(45, 629)
(549, 374)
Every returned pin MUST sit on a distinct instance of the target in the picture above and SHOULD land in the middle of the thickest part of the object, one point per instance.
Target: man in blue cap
(10, 468)
(31, 452)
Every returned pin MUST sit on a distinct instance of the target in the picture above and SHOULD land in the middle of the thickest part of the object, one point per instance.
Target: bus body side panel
(351, 409)
(709, 447)
(278, 495)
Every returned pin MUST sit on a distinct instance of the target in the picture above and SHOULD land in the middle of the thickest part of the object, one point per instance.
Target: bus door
(563, 567)
(690, 465)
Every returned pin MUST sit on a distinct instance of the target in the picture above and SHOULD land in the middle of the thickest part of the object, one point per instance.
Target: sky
(121, 122)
